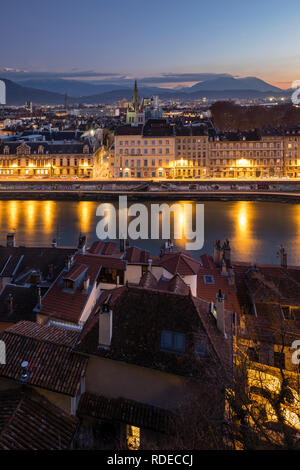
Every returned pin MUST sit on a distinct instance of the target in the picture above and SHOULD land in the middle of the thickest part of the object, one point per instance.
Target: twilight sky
(151, 37)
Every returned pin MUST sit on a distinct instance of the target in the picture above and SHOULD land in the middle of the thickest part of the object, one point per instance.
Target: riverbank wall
(285, 191)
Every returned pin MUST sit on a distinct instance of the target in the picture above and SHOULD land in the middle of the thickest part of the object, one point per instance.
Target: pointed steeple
(135, 97)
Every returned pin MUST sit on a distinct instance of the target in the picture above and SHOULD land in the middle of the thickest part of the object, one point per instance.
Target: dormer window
(69, 284)
(6, 150)
(172, 341)
(208, 279)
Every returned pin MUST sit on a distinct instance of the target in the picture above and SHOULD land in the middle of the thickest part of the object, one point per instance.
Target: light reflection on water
(255, 229)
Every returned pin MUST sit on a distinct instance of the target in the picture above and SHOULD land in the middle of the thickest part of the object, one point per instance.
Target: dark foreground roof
(126, 411)
(29, 421)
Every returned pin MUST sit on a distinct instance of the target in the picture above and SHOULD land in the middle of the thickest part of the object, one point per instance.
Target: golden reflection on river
(255, 229)
(244, 239)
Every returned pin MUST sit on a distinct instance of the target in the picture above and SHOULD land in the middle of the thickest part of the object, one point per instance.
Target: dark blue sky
(141, 37)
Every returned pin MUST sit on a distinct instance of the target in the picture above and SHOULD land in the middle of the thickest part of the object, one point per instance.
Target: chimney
(82, 244)
(150, 264)
(69, 262)
(220, 312)
(39, 298)
(10, 239)
(105, 326)
(224, 268)
(122, 245)
(86, 283)
(25, 372)
(283, 257)
(50, 271)
(231, 276)
(10, 303)
(217, 253)
(226, 250)
(54, 243)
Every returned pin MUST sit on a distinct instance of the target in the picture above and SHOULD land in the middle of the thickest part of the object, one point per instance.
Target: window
(208, 279)
(133, 437)
(279, 360)
(172, 341)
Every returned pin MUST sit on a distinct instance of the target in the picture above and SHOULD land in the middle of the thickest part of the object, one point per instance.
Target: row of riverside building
(159, 149)
(156, 149)
(108, 346)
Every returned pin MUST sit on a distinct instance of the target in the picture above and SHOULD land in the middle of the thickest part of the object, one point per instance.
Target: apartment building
(245, 156)
(144, 151)
(191, 152)
(46, 158)
(291, 141)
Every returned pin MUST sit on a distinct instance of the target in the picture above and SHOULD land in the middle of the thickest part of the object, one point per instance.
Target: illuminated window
(133, 437)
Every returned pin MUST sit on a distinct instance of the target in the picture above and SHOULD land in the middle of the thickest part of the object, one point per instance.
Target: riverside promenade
(95, 190)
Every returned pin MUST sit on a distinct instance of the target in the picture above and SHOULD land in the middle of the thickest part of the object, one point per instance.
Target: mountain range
(52, 91)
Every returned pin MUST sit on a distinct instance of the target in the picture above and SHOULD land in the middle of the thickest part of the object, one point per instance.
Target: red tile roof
(208, 291)
(135, 255)
(52, 366)
(75, 272)
(52, 333)
(29, 421)
(68, 306)
(180, 263)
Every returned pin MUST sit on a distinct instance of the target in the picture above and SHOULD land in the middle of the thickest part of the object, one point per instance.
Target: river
(255, 229)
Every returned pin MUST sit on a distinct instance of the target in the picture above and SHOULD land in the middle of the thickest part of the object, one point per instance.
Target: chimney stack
(10, 303)
(224, 268)
(69, 262)
(105, 325)
(226, 250)
(82, 244)
(150, 264)
(10, 239)
(122, 245)
(25, 372)
(217, 253)
(86, 283)
(39, 295)
(283, 257)
(220, 312)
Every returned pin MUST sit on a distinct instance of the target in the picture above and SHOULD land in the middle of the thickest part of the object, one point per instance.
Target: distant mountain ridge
(17, 94)
(231, 83)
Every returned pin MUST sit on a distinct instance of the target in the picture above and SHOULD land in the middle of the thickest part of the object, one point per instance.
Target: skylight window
(208, 279)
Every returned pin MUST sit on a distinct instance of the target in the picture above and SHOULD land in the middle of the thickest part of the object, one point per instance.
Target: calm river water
(255, 229)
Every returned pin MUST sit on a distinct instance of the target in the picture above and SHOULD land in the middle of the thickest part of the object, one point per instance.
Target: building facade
(44, 159)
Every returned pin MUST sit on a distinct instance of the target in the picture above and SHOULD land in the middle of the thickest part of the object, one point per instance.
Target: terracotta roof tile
(180, 263)
(29, 421)
(51, 366)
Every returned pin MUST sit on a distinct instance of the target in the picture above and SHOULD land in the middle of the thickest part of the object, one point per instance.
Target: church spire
(135, 97)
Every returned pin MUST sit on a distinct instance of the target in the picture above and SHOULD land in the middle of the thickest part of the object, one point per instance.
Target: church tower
(135, 113)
